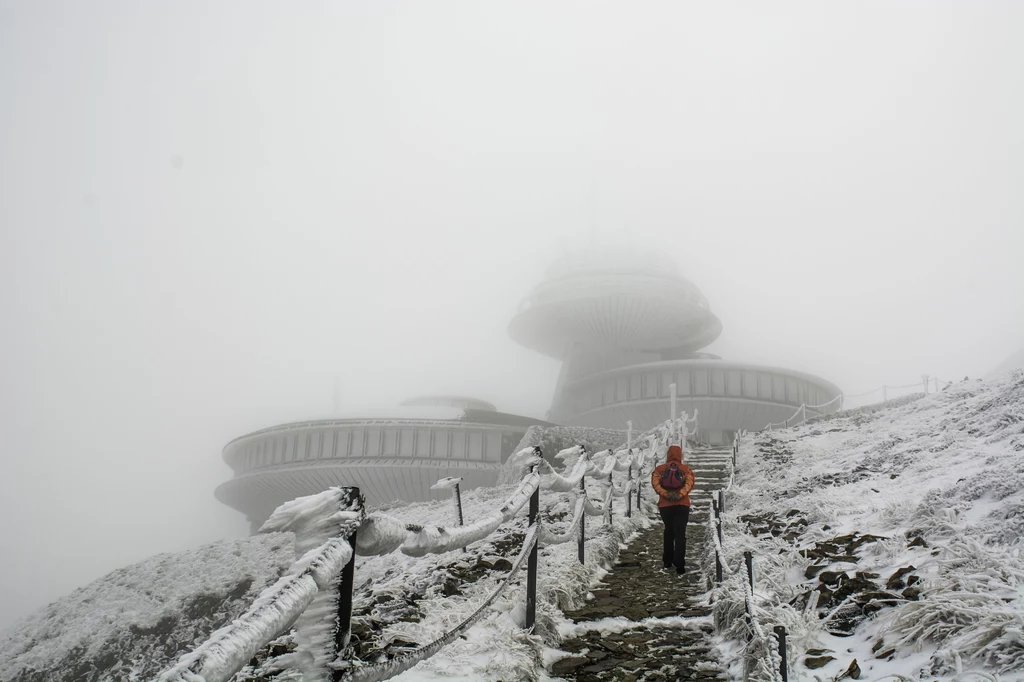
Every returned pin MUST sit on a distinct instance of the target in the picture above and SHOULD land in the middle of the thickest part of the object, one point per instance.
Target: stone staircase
(657, 646)
(711, 467)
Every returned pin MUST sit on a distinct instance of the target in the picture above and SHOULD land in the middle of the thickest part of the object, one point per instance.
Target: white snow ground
(140, 613)
(136, 619)
(948, 468)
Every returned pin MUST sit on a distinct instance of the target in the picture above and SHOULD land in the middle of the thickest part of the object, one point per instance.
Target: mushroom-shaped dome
(458, 401)
(629, 300)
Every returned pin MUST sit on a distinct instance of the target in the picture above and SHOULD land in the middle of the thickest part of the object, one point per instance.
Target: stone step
(638, 588)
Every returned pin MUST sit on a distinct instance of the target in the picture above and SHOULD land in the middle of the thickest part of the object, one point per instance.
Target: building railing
(800, 415)
(315, 595)
(766, 652)
(717, 379)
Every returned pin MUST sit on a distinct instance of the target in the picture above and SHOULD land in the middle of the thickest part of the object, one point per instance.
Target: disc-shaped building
(626, 326)
(391, 455)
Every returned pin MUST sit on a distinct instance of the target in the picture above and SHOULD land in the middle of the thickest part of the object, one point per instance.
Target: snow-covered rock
(137, 620)
(891, 536)
(554, 439)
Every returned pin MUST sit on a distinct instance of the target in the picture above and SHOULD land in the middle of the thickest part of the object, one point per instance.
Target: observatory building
(392, 455)
(627, 326)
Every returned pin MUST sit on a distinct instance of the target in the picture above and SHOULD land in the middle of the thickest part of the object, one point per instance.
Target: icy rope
(713, 532)
(548, 537)
(606, 468)
(816, 407)
(423, 540)
(775, 661)
(593, 510)
(272, 613)
(625, 489)
(557, 483)
(383, 671)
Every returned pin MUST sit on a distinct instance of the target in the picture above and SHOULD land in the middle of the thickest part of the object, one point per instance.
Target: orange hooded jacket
(675, 454)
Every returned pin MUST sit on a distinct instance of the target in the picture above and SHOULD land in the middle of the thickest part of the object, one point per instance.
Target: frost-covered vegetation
(552, 439)
(131, 623)
(403, 600)
(888, 541)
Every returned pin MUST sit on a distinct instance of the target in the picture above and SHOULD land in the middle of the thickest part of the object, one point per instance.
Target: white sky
(210, 210)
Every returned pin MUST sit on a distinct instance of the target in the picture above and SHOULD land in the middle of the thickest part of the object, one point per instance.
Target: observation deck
(623, 307)
(626, 326)
(395, 454)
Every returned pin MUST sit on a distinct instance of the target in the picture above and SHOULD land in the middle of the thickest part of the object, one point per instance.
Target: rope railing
(842, 398)
(383, 671)
(838, 398)
(549, 537)
(772, 647)
(279, 606)
(801, 411)
(331, 528)
(925, 386)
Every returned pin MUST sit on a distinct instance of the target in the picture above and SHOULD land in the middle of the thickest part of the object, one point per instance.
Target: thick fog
(211, 213)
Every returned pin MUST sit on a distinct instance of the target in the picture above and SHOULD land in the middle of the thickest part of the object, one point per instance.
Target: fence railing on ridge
(314, 597)
(799, 416)
(770, 650)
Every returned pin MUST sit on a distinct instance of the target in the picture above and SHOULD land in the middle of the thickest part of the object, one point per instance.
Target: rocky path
(668, 634)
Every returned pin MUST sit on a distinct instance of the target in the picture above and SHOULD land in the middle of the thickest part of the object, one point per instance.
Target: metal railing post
(629, 496)
(749, 559)
(531, 566)
(780, 632)
(672, 413)
(718, 530)
(611, 498)
(721, 501)
(458, 503)
(348, 579)
(581, 550)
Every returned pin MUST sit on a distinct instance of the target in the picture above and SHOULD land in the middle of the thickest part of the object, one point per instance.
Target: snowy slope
(1014, 362)
(138, 620)
(134, 621)
(890, 536)
(552, 439)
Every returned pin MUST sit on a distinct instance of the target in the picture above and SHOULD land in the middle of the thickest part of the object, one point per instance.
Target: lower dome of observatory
(395, 455)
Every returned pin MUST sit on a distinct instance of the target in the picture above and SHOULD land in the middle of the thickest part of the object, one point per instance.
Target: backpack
(672, 477)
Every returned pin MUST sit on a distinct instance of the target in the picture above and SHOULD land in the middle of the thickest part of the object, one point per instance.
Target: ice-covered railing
(763, 651)
(886, 392)
(314, 597)
(309, 596)
(765, 654)
(876, 395)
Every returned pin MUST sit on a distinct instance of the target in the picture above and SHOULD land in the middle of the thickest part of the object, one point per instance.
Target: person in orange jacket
(673, 482)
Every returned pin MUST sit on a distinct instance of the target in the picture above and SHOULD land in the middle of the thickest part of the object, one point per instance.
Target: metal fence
(314, 597)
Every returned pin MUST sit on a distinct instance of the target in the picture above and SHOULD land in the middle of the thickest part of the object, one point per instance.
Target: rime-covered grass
(938, 482)
(403, 599)
(136, 620)
(139, 620)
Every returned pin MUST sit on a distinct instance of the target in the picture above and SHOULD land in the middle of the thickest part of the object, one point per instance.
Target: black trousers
(675, 519)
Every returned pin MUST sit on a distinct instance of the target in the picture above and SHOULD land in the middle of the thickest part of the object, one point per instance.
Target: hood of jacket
(674, 454)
